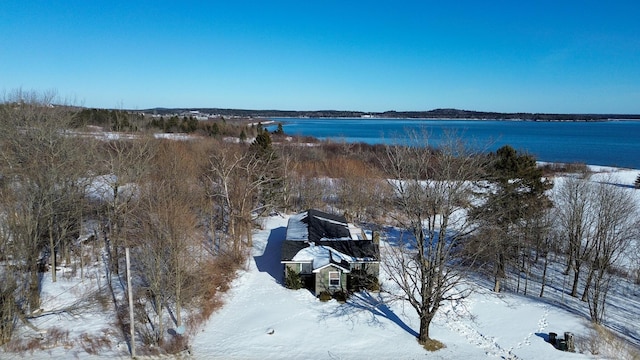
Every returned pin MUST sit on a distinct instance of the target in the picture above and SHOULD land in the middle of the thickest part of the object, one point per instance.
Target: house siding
(322, 280)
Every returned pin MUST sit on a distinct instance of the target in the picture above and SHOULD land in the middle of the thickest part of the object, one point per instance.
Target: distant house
(328, 253)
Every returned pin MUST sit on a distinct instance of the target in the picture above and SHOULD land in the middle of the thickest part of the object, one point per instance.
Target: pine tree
(262, 143)
(519, 198)
(279, 130)
(271, 176)
(637, 183)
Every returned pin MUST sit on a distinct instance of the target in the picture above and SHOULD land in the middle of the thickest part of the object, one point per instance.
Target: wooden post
(130, 291)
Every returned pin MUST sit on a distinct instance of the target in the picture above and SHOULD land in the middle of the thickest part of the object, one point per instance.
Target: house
(329, 254)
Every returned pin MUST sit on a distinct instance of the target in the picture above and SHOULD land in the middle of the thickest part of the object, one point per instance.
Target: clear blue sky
(507, 56)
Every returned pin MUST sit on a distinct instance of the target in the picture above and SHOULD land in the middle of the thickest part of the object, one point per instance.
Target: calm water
(612, 143)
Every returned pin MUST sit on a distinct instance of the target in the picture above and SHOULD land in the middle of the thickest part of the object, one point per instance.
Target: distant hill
(430, 114)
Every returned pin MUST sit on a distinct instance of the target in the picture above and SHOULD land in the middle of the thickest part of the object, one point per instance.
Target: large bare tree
(124, 165)
(43, 183)
(167, 232)
(614, 231)
(240, 180)
(575, 220)
(432, 194)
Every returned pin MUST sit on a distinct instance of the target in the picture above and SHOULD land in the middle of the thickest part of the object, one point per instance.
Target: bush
(432, 345)
(292, 280)
(340, 296)
(325, 296)
(93, 344)
(605, 344)
(361, 280)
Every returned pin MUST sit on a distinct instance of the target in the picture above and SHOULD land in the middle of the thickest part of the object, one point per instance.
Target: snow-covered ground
(263, 320)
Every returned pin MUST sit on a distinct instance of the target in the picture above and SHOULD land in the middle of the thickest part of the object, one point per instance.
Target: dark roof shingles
(321, 229)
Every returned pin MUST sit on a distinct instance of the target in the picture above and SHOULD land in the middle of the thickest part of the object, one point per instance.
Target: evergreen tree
(262, 143)
(637, 183)
(279, 130)
(271, 173)
(214, 129)
(517, 200)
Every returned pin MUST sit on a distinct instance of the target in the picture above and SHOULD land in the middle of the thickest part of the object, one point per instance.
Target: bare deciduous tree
(361, 191)
(44, 169)
(238, 179)
(575, 219)
(43, 182)
(124, 163)
(615, 229)
(433, 192)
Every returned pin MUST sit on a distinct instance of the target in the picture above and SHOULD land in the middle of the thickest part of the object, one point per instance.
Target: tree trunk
(34, 289)
(52, 254)
(423, 335)
(178, 301)
(576, 278)
(544, 275)
(499, 273)
(587, 285)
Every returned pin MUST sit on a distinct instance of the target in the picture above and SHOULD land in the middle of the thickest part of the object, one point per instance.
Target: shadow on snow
(269, 261)
(375, 304)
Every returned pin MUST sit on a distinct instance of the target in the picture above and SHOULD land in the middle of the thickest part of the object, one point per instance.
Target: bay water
(608, 143)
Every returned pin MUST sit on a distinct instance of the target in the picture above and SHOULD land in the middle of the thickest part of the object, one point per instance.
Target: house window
(305, 268)
(334, 279)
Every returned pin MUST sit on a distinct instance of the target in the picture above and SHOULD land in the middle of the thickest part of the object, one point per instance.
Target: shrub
(93, 344)
(325, 296)
(292, 280)
(361, 280)
(432, 345)
(606, 344)
(176, 345)
(340, 296)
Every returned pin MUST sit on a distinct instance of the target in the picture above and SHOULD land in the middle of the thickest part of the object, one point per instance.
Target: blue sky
(506, 56)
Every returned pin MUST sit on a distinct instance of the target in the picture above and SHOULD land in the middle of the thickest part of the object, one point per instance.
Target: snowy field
(263, 320)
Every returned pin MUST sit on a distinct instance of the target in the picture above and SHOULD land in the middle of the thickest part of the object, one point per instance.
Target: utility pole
(129, 290)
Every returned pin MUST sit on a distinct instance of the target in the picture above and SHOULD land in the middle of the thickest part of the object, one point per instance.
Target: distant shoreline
(436, 114)
(275, 118)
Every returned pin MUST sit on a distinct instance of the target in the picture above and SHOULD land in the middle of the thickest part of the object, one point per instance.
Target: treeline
(128, 121)
(430, 114)
(72, 202)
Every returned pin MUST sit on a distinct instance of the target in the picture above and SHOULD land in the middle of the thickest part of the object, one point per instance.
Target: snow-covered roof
(322, 256)
(324, 239)
(313, 225)
(297, 228)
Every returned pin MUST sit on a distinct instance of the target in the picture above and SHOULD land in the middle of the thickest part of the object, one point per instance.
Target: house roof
(359, 250)
(314, 225)
(333, 260)
(291, 248)
(318, 237)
